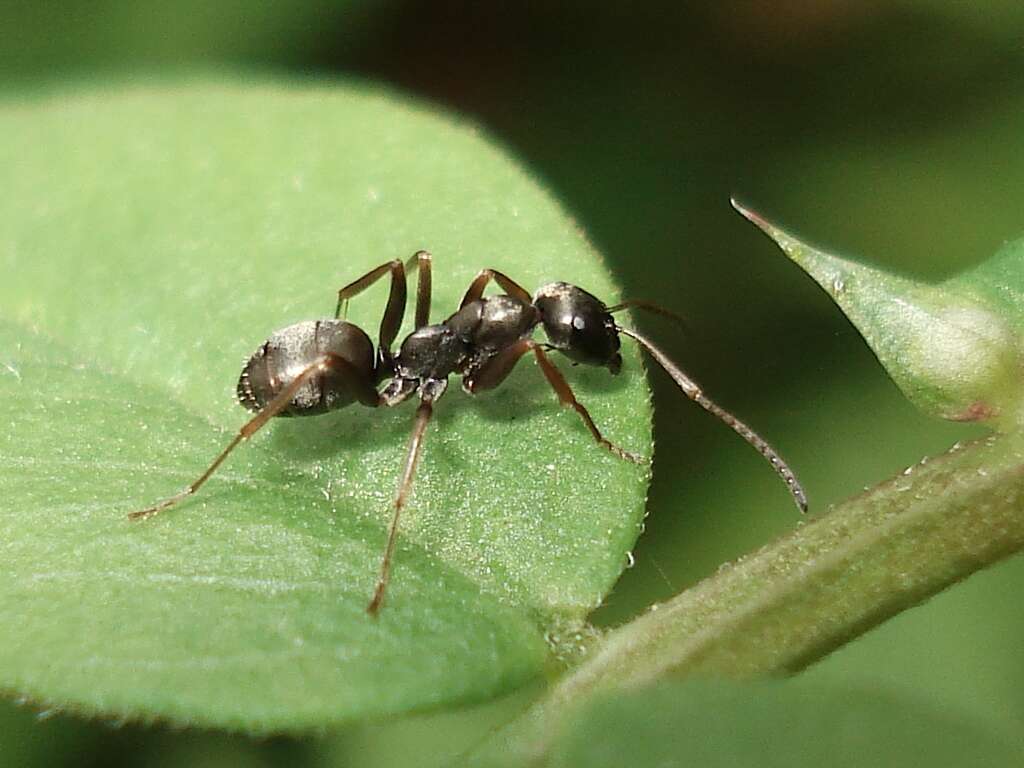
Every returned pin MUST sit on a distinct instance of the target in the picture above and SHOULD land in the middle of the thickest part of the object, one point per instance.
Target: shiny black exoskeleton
(313, 367)
(486, 337)
(472, 343)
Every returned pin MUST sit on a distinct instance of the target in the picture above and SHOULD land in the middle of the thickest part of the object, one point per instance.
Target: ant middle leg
(422, 261)
(510, 286)
(322, 365)
(395, 309)
(497, 369)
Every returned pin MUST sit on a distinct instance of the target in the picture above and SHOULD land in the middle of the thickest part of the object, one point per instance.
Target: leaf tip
(750, 215)
(801, 253)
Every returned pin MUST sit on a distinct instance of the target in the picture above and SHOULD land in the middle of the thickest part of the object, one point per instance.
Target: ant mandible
(317, 366)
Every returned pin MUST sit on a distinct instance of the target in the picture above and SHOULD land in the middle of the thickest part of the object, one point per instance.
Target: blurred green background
(885, 131)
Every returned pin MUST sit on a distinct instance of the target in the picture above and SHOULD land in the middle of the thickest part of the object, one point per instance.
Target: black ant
(318, 366)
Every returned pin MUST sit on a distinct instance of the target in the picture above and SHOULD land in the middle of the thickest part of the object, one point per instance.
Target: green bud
(953, 348)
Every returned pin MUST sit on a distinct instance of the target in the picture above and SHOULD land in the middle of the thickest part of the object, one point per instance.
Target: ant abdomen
(289, 351)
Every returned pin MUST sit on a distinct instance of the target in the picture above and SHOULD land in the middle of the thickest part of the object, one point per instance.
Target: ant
(317, 366)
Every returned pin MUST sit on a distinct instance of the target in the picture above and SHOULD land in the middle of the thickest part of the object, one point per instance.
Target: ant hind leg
(251, 427)
(395, 309)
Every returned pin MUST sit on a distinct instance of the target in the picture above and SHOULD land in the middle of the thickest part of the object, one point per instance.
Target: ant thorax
(431, 352)
(466, 340)
(494, 323)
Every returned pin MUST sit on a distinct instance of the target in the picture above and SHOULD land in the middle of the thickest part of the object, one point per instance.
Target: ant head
(579, 325)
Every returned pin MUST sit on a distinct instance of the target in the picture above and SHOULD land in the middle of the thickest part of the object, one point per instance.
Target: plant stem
(793, 602)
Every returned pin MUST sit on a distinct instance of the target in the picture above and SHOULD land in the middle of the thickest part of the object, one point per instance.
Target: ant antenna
(655, 309)
(693, 391)
(423, 414)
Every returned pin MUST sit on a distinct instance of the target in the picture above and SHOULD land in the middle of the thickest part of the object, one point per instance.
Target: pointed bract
(953, 348)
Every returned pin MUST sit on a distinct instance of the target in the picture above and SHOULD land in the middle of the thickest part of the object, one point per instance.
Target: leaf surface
(152, 238)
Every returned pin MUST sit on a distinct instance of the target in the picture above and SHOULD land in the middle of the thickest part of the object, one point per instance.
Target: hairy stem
(834, 578)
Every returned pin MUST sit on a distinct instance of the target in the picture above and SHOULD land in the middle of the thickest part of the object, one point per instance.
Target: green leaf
(954, 348)
(151, 239)
(767, 725)
(38, 39)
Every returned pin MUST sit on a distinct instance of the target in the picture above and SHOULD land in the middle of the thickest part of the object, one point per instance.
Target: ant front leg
(395, 309)
(510, 286)
(322, 365)
(497, 369)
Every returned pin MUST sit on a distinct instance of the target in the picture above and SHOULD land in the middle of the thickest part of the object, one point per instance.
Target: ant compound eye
(579, 325)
